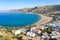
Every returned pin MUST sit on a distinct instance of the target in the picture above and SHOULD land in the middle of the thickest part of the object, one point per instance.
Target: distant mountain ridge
(40, 9)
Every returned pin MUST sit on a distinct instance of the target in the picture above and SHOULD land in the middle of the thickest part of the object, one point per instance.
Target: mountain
(41, 9)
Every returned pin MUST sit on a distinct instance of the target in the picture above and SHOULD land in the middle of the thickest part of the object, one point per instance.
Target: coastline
(44, 19)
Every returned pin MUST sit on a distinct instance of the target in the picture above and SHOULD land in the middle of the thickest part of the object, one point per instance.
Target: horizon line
(28, 7)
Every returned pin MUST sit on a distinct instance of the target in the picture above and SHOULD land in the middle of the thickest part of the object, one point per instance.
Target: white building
(31, 34)
(16, 32)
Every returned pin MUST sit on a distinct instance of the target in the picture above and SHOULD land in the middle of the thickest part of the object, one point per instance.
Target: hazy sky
(16, 4)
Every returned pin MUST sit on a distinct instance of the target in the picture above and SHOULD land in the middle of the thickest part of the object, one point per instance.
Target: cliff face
(40, 9)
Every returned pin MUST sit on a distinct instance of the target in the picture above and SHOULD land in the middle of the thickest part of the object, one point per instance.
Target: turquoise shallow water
(18, 19)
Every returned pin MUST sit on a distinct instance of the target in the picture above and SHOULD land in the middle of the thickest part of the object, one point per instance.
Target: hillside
(41, 9)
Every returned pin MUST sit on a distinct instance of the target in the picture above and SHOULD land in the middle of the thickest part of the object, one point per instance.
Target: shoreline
(44, 19)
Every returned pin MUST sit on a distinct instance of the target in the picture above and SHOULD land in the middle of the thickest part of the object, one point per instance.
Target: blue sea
(18, 19)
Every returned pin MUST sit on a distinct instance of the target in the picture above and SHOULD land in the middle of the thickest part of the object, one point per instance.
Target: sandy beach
(44, 19)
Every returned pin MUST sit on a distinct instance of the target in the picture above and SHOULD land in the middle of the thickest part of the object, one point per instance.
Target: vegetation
(1, 36)
(32, 26)
(42, 31)
(59, 30)
(54, 19)
(19, 36)
(41, 10)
